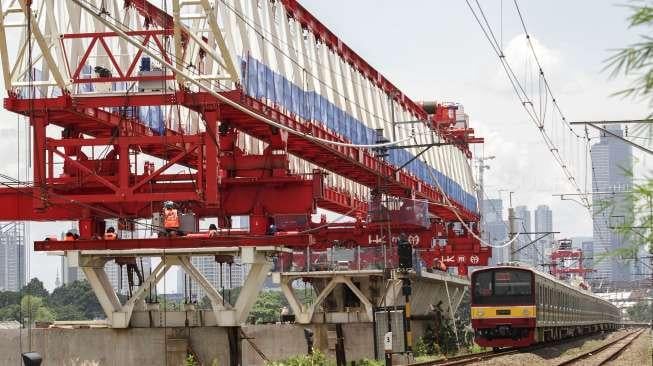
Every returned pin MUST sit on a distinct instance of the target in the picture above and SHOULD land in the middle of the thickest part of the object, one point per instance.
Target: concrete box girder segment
(304, 313)
(119, 315)
(432, 291)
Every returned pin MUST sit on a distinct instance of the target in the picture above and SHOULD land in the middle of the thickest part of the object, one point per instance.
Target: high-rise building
(587, 247)
(12, 256)
(495, 231)
(220, 276)
(543, 224)
(612, 165)
(526, 253)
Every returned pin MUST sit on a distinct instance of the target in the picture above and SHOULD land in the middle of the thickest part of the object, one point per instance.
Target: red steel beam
(247, 240)
(355, 163)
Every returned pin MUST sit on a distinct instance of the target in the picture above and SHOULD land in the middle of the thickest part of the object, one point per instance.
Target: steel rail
(619, 344)
(482, 356)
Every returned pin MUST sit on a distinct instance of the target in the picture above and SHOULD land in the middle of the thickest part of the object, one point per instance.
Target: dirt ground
(554, 354)
(639, 353)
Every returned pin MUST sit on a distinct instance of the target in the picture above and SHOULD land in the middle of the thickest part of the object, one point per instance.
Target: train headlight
(525, 311)
(480, 312)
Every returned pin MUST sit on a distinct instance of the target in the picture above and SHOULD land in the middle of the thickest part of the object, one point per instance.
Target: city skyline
(495, 231)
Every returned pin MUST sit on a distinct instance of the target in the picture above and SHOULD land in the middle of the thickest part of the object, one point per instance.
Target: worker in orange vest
(213, 231)
(110, 234)
(170, 218)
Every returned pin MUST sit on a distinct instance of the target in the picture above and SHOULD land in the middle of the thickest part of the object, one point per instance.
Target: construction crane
(228, 108)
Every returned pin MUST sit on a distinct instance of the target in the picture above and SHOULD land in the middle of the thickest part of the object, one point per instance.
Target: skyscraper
(12, 256)
(220, 276)
(495, 231)
(526, 253)
(588, 259)
(543, 224)
(612, 163)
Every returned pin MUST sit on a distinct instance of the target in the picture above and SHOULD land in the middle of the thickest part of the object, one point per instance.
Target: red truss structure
(212, 175)
(566, 261)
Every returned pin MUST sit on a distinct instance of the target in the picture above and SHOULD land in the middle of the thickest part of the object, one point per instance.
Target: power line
(524, 98)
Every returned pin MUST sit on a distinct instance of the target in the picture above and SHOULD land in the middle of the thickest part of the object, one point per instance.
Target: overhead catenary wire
(464, 224)
(525, 100)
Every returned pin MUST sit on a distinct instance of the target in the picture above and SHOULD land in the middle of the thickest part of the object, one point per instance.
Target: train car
(514, 306)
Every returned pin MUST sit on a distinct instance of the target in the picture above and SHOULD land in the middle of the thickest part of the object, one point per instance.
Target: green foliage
(635, 229)
(475, 348)
(635, 59)
(190, 361)
(316, 359)
(368, 362)
(10, 312)
(43, 314)
(75, 301)
(69, 312)
(641, 312)
(267, 308)
(35, 288)
(33, 308)
(8, 298)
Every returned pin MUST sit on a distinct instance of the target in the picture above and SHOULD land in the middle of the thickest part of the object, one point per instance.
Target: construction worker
(439, 265)
(170, 218)
(69, 236)
(213, 231)
(272, 229)
(110, 234)
(130, 262)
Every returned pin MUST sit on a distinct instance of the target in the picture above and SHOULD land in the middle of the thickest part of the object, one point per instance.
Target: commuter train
(516, 306)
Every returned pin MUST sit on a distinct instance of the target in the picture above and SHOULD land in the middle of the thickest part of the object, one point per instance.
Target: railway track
(603, 354)
(467, 359)
(483, 356)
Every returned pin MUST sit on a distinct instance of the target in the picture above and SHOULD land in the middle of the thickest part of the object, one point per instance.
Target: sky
(435, 50)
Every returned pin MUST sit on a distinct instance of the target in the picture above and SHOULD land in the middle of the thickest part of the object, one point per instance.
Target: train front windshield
(503, 287)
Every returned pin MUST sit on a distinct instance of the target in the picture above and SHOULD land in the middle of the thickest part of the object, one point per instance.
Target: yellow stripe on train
(490, 312)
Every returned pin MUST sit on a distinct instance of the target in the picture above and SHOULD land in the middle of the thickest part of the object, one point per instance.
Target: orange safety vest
(69, 238)
(110, 236)
(170, 219)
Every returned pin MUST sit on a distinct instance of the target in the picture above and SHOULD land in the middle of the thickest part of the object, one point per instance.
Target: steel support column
(38, 163)
(211, 157)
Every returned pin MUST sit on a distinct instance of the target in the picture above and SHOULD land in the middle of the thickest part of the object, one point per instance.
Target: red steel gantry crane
(231, 108)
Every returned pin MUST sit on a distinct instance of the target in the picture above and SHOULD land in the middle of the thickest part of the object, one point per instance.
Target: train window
(482, 284)
(505, 286)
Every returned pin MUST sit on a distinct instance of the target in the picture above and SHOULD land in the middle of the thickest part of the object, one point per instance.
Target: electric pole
(481, 190)
(512, 222)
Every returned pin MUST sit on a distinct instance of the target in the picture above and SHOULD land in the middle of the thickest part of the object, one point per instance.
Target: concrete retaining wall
(152, 346)
(112, 347)
(279, 341)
